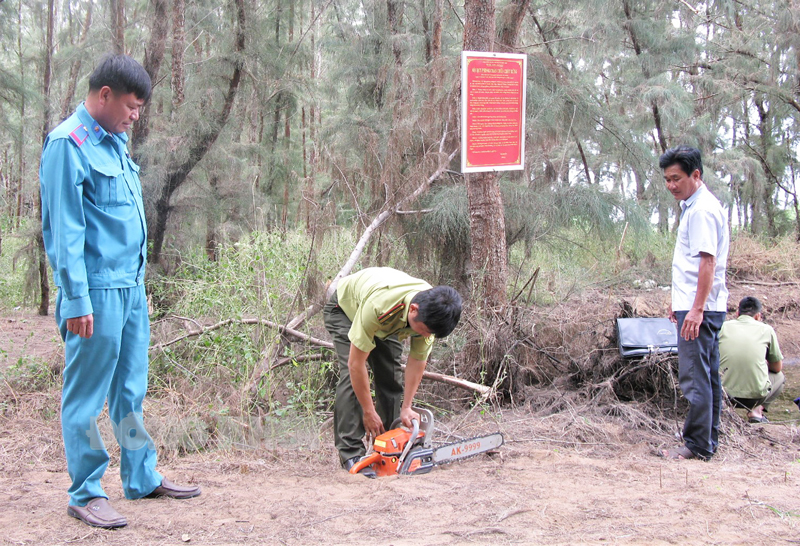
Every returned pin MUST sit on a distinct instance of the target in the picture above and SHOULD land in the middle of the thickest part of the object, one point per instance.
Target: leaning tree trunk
(663, 209)
(75, 68)
(153, 57)
(178, 172)
(178, 43)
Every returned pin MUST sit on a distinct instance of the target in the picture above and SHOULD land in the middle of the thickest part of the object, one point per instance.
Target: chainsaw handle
(411, 440)
(365, 462)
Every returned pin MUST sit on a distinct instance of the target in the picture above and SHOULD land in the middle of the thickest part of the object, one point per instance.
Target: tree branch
(264, 322)
(381, 218)
(433, 376)
(454, 381)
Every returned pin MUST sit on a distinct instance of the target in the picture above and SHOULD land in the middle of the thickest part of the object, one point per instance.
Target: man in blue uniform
(95, 235)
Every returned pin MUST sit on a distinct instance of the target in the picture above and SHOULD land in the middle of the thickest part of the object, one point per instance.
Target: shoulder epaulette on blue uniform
(79, 135)
(391, 313)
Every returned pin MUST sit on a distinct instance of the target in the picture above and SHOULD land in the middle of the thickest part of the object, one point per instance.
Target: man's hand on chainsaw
(406, 416)
(373, 424)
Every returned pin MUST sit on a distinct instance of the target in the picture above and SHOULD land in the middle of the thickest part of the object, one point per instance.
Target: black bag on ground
(643, 336)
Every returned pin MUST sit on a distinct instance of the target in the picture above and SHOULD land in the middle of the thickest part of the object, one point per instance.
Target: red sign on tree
(492, 111)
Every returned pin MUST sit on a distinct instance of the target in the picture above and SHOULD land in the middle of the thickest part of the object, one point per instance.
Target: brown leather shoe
(169, 489)
(98, 513)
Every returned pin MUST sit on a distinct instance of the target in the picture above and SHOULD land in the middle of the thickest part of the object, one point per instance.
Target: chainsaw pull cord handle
(411, 440)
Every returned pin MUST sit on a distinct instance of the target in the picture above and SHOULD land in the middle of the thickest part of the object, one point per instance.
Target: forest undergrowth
(223, 377)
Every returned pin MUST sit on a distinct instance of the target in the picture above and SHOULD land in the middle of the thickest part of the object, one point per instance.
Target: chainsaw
(403, 451)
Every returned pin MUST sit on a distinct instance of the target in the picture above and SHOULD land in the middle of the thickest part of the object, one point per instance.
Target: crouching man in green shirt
(369, 314)
(750, 360)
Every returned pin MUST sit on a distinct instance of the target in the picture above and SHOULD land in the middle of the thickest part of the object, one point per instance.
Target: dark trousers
(698, 375)
(384, 360)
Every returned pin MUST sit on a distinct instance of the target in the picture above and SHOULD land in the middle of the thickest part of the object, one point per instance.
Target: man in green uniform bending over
(368, 316)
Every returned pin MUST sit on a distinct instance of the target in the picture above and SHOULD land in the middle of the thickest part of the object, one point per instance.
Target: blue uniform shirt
(93, 219)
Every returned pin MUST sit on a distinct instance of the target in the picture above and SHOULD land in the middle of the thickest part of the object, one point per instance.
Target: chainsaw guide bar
(465, 449)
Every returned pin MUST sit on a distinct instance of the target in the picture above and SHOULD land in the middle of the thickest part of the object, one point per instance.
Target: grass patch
(572, 260)
(18, 275)
(774, 260)
(31, 374)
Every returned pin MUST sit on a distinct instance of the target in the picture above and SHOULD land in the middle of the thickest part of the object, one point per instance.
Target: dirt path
(529, 494)
(549, 484)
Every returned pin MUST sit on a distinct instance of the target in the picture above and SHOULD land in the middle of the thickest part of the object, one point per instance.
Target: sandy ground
(544, 486)
(531, 492)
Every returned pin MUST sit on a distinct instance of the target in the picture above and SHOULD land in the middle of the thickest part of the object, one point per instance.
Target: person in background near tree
(368, 315)
(95, 236)
(750, 361)
(699, 299)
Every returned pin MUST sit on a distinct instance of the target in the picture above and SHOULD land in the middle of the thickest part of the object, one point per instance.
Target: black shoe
(366, 471)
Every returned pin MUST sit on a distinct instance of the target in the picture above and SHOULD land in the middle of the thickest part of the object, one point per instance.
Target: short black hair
(123, 75)
(439, 309)
(749, 306)
(688, 158)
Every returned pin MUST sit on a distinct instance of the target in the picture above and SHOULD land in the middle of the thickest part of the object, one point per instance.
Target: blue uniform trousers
(112, 364)
(698, 375)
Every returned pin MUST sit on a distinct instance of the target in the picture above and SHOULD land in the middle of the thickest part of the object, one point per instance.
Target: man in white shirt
(699, 298)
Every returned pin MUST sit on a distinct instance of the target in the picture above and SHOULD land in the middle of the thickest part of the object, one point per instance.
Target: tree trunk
(309, 198)
(660, 137)
(436, 79)
(41, 255)
(436, 34)
(212, 244)
(177, 173)
(427, 35)
(48, 70)
(278, 14)
(486, 214)
(21, 139)
(178, 44)
(639, 179)
(770, 182)
(118, 25)
(511, 24)
(75, 68)
(273, 146)
(585, 162)
(795, 204)
(7, 180)
(153, 57)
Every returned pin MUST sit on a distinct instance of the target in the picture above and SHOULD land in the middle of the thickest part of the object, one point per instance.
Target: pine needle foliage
(532, 216)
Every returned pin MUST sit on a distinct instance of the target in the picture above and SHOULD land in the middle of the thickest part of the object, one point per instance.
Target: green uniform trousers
(384, 360)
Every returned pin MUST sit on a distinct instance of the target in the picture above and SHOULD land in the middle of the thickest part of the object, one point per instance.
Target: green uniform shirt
(745, 346)
(377, 301)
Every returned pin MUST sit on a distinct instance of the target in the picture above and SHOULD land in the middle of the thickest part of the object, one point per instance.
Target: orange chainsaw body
(388, 447)
(405, 452)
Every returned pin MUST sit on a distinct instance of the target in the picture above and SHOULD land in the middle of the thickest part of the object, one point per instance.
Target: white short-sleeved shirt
(703, 228)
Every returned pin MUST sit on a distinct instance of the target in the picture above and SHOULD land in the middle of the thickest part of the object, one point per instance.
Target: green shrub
(15, 267)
